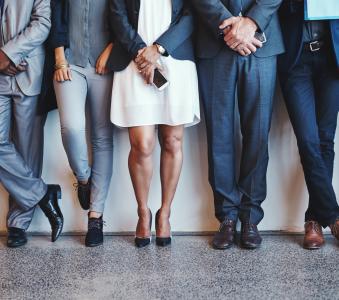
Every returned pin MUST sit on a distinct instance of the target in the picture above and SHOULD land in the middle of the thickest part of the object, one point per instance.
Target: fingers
(21, 68)
(62, 75)
(256, 43)
(228, 22)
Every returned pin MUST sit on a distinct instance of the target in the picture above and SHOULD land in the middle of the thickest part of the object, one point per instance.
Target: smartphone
(159, 80)
(261, 36)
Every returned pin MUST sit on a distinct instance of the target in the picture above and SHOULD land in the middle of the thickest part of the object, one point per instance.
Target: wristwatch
(161, 49)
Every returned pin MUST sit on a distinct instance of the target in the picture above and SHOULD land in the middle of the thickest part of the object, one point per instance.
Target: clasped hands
(147, 61)
(239, 35)
(8, 68)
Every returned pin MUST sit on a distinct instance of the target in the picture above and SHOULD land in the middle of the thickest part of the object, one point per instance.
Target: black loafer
(16, 237)
(94, 236)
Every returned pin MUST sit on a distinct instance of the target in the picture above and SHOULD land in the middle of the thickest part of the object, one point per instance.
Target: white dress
(135, 103)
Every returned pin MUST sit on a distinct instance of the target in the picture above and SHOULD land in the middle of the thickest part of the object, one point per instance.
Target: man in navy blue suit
(309, 75)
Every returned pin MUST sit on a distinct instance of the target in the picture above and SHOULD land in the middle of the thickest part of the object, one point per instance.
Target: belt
(314, 46)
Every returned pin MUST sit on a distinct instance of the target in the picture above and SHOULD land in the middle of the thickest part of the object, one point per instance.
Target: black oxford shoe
(250, 237)
(94, 236)
(16, 237)
(49, 205)
(224, 238)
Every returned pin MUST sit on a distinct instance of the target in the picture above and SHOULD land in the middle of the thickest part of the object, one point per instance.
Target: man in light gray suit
(237, 46)
(24, 28)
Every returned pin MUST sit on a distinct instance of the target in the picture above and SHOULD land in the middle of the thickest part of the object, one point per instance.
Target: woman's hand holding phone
(147, 62)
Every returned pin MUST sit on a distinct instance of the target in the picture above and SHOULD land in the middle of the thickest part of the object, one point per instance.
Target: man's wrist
(161, 50)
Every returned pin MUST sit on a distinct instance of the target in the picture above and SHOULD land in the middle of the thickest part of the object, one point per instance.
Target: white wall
(193, 205)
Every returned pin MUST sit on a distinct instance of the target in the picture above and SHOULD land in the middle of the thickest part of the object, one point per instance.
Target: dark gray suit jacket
(210, 14)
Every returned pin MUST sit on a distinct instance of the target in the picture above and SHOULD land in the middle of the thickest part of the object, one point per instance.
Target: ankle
(94, 214)
(165, 212)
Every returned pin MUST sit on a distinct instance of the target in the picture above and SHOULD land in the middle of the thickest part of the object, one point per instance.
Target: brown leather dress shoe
(224, 238)
(313, 238)
(335, 229)
(249, 237)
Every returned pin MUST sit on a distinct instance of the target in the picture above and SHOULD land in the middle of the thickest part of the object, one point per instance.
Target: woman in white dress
(150, 35)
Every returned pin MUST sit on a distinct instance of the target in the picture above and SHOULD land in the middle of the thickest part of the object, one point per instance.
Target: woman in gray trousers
(82, 44)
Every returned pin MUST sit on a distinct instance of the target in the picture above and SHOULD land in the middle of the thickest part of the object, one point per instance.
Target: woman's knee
(143, 147)
(172, 143)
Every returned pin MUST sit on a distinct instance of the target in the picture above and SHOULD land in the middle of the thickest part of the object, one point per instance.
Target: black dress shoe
(250, 237)
(84, 194)
(224, 238)
(94, 236)
(49, 205)
(141, 242)
(16, 237)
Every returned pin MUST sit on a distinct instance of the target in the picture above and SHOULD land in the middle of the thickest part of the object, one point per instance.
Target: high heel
(161, 241)
(141, 242)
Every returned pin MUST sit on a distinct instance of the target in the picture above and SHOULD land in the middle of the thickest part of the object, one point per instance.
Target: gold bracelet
(61, 66)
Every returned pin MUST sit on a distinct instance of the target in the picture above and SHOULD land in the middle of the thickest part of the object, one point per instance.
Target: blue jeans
(311, 91)
(253, 80)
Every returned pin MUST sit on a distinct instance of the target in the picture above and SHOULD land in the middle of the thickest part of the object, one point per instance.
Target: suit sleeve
(178, 32)
(33, 35)
(127, 36)
(212, 13)
(59, 35)
(262, 10)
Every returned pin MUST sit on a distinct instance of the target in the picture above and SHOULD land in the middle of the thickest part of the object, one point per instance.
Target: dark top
(124, 16)
(211, 13)
(292, 22)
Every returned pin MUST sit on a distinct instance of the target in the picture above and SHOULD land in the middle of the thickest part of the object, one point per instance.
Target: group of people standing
(97, 59)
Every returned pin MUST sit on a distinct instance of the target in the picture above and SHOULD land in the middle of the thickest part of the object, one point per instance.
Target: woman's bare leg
(171, 139)
(140, 165)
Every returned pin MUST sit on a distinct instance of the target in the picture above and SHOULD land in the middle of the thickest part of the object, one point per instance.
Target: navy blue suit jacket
(124, 16)
(291, 14)
(210, 14)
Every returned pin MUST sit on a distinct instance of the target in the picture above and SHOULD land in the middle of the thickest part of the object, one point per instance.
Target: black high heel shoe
(141, 242)
(161, 241)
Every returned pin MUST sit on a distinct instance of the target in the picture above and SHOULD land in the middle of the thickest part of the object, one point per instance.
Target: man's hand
(239, 35)
(4, 61)
(146, 57)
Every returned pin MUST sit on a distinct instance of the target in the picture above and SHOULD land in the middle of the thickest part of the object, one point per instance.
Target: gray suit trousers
(17, 110)
(252, 80)
(31, 150)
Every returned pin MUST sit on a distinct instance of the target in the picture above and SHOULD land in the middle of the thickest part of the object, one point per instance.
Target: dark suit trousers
(311, 91)
(253, 79)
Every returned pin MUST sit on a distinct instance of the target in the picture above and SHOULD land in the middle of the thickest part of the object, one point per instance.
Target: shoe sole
(250, 246)
(93, 245)
(16, 246)
(222, 248)
(311, 248)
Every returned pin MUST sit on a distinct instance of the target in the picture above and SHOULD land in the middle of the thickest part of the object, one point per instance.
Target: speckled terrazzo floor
(189, 269)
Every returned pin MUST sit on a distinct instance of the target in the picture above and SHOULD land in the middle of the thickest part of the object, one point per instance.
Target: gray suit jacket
(210, 14)
(25, 26)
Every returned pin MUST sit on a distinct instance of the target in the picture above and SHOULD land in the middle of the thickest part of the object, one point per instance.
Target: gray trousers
(252, 80)
(94, 91)
(31, 150)
(17, 177)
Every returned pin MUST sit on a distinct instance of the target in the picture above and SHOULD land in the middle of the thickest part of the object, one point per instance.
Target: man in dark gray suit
(237, 45)
(24, 28)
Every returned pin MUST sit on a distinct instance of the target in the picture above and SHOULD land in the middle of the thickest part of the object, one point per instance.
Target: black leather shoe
(161, 241)
(224, 238)
(16, 237)
(94, 236)
(250, 237)
(49, 205)
(84, 194)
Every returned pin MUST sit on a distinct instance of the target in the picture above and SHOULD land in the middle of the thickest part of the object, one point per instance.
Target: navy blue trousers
(253, 81)
(311, 92)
